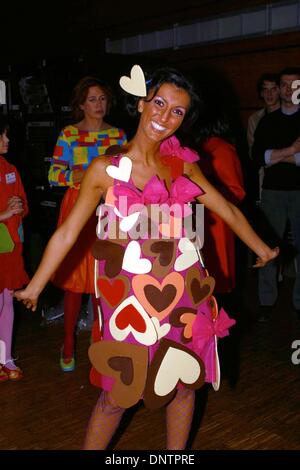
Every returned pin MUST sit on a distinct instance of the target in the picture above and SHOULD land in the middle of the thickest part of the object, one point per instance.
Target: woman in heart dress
(158, 320)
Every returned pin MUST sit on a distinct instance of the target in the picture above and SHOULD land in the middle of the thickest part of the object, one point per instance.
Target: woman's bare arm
(233, 217)
(93, 185)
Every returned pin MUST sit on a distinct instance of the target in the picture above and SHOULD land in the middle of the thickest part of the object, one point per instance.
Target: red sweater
(221, 166)
(11, 185)
(12, 272)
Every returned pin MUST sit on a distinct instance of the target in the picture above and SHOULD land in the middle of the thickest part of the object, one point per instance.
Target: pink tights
(6, 326)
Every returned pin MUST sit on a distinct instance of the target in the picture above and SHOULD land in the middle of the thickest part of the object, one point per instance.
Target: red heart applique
(113, 291)
(130, 316)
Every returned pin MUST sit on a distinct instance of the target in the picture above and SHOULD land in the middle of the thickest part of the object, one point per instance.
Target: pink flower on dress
(171, 147)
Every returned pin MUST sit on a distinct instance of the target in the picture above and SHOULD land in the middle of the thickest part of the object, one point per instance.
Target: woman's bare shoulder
(100, 163)
(97, 174)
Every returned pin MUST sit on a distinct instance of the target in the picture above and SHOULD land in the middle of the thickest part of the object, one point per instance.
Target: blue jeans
(279, 207)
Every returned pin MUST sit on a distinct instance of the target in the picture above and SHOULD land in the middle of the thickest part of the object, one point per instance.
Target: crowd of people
(154, 294)
(276, 154)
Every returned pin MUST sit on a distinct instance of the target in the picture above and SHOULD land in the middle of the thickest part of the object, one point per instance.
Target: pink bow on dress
(181, 192)
(171, 147)
(204, 331)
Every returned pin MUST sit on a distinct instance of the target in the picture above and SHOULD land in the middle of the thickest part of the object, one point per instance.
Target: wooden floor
(257, 406)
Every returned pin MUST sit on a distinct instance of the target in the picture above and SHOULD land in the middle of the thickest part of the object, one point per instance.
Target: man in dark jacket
(277, 148)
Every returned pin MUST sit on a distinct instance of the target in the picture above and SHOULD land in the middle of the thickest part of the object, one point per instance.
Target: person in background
(276, 148)
(268, 90)
(141, 312)
(221, 165)
(13, 207)
(77, 146)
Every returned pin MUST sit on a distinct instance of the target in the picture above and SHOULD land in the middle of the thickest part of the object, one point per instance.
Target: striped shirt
(75, 150)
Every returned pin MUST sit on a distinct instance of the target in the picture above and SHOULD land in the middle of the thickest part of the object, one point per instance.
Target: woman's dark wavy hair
(157, 78)
(266, 77)
(80, 93)
(4, 124)
(214, 123)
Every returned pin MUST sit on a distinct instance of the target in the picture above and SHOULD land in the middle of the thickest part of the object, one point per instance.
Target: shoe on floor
(67, 364)
(3, 375)
(13, 374)
(265, 313)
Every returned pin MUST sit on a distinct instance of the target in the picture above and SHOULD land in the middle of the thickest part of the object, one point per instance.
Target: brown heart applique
(184, 317)
(172, 364)
(158, 298)
(164, 252)
(124, 362)
(112, 253)
(124, 365)
(199, 289)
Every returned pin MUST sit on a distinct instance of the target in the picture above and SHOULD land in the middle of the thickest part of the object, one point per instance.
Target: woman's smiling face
(164, 114)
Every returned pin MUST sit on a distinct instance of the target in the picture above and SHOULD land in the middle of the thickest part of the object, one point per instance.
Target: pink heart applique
(158, 298)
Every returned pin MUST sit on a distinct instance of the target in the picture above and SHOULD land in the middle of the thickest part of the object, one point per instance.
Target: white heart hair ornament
(135, 84)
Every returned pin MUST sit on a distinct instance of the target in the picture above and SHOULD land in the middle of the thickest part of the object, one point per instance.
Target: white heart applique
(216, 383)
(135, 84)
(121, 172)
(161, 330)
(188, 257)
(187, 370)
(128, 221)
(132, 261)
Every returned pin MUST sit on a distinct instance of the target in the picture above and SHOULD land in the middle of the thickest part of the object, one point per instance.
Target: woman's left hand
(268, 256)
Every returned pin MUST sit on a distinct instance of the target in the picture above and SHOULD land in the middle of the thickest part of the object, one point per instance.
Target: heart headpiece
(135, 84)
